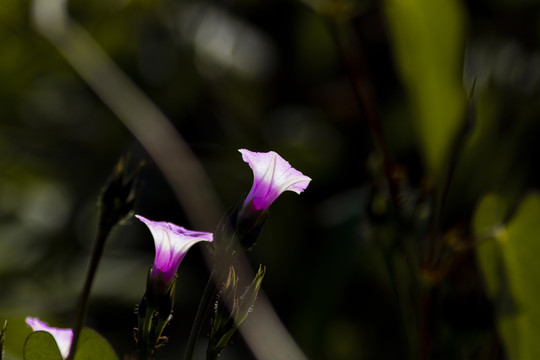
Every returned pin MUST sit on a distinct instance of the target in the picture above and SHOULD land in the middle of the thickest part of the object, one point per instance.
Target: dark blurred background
(273, 75)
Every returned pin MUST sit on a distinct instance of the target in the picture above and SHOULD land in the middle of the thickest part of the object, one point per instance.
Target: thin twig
(82, 305)
(351, 53)
(204, 306)
(446, 180)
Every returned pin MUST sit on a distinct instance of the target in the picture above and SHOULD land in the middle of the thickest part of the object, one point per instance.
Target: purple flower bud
(63, 337)
(172, 243)
(272, 175)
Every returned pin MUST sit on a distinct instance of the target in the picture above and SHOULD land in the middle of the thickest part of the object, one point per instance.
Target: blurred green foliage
(353, 271)
(510, 267)
(428, 38)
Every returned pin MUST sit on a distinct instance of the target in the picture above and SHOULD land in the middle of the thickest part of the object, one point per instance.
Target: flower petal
(63, 337)
(272, 175)
(172, 243)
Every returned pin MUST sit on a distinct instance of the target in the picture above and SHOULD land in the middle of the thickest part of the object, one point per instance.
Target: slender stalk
(434, 251)
(146, 350)
(434, 246)
(350, 50)
(404, 302)
(82, 305)
(212, 355)
(145, 355)
(205, 304)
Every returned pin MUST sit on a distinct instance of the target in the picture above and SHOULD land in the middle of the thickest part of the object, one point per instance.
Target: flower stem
(352, 54)
(82, 306)
(145, 355)
(145, 348)
(205, 304)
(212, 355)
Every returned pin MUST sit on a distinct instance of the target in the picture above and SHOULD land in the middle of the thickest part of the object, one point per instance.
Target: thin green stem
(434, 251)
(82, 305)
(212, 355)
(205, 304)
(147, 343)
(145, 355)
(404, 302)
(144, 349)
(351, 52)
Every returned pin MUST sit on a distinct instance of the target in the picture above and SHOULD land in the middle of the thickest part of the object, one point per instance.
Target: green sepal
(230, 311)
(248, 223)
(154, 313)
(238, 232)
(250, 295)
(223, 326)
(226, 304)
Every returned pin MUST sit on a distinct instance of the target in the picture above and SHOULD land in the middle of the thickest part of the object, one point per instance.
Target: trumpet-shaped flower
(272, 175)
(172, 243)
(63, 337)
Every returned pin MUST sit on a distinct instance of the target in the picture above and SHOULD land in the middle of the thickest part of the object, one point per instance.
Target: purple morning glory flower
(63, 337)
(272, 175)
(172, 243)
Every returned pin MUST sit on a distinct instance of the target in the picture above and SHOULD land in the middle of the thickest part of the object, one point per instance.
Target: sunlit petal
(272, 175)
(63, 337)
(172, 243)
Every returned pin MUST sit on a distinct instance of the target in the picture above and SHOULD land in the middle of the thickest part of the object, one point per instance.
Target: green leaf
(491, 233)
(427, 39)
(40, 345)
(511, 266)
(489, 215)
(93, 346)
